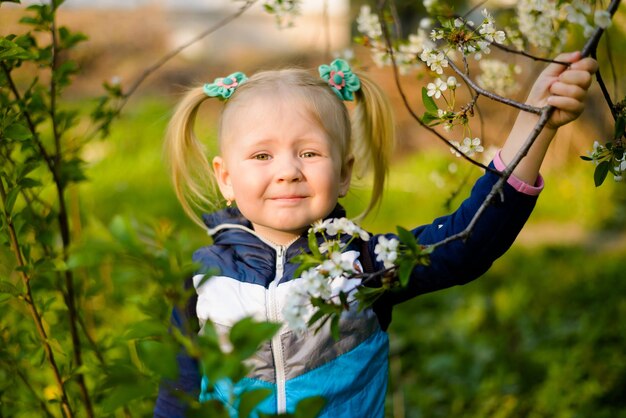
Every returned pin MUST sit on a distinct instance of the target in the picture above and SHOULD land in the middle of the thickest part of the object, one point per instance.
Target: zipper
(276, 344)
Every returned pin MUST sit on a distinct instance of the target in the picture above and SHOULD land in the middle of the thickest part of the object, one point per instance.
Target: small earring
(229, 203)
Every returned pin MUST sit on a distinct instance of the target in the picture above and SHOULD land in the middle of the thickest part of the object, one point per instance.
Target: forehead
(268, 112)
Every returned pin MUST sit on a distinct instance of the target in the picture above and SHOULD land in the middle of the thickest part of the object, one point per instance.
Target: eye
(261, 157)
(309, 154)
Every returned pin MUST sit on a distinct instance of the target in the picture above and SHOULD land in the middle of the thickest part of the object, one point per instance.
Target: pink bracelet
(518, 184)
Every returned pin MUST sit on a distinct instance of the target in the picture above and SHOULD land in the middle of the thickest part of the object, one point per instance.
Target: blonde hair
(368, 136)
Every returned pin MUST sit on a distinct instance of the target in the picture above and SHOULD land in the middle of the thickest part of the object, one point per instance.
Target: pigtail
(373, 137)
(190, 171)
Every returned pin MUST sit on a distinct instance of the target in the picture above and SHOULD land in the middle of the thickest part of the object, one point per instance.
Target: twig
(63, 219)
(151, 69)
(609, 54)
(29, 121)
(34, 393)
(527, 55)
(603, 89)
(492, 96)
(405, 100)
(28, 298)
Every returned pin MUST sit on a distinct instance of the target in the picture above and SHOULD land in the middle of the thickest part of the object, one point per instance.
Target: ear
(223, 178)
(346, 176)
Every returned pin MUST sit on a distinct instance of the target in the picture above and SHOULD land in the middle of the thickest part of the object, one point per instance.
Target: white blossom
(452, 83)
(297, 311)
(468, 147)
(386, 250)
(285, 11)
(429, 4)
(327, 246)
(498, 77)
(407, 55)
(434, 59)
(347, 54)
(539, 21)
(436, 88)
(426, 23)
(602, 19)
(338, 226)
(315, 284)
(368, 23)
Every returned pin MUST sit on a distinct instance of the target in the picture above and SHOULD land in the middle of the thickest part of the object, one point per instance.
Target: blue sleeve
(459, 262)
(169, 403)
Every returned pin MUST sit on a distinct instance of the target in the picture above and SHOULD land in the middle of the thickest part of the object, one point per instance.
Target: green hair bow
(224, 87)
(341, 79)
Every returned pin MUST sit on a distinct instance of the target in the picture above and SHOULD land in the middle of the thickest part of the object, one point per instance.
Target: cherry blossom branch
(546, 113)
(405, 100)
(493, 96)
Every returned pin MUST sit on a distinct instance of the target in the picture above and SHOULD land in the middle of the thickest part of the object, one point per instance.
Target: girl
(287, 153)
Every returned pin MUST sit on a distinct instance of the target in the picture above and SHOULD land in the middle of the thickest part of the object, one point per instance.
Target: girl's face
(280, 167)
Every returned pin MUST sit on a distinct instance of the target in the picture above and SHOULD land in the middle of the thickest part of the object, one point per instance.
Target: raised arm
(558, 86)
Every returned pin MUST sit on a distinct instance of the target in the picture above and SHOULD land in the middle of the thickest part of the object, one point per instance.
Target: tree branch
(28, 298)
(492, 96)
(63, 219)
(526, 54)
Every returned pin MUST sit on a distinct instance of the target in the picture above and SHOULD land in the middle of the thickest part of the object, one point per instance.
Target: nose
(289, 170)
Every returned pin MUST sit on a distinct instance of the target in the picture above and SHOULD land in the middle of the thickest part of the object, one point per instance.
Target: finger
(579, 78)
(554, 69)
(586, 64)
(566, 104)
(568, 90)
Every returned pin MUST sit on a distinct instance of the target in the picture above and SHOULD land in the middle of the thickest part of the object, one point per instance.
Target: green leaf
(313, 246)
(158, 357)
(69, 39)
(121, 395)
(620, 126)
(334, 327)
(8, 287)
(11, 198)
(601, 172)
(404, 271)
(17, 132)
(24, 169)
(310, 407)
(10, 50)
(407, 238)
(428, 101)
(585, 158)
(72, 171)
(429, 117)
(250, 399)
(317, 315)
(28, 183)
(247, 335)
(144, 329)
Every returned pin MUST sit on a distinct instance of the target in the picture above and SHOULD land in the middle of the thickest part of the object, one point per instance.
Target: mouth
(288, 198)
